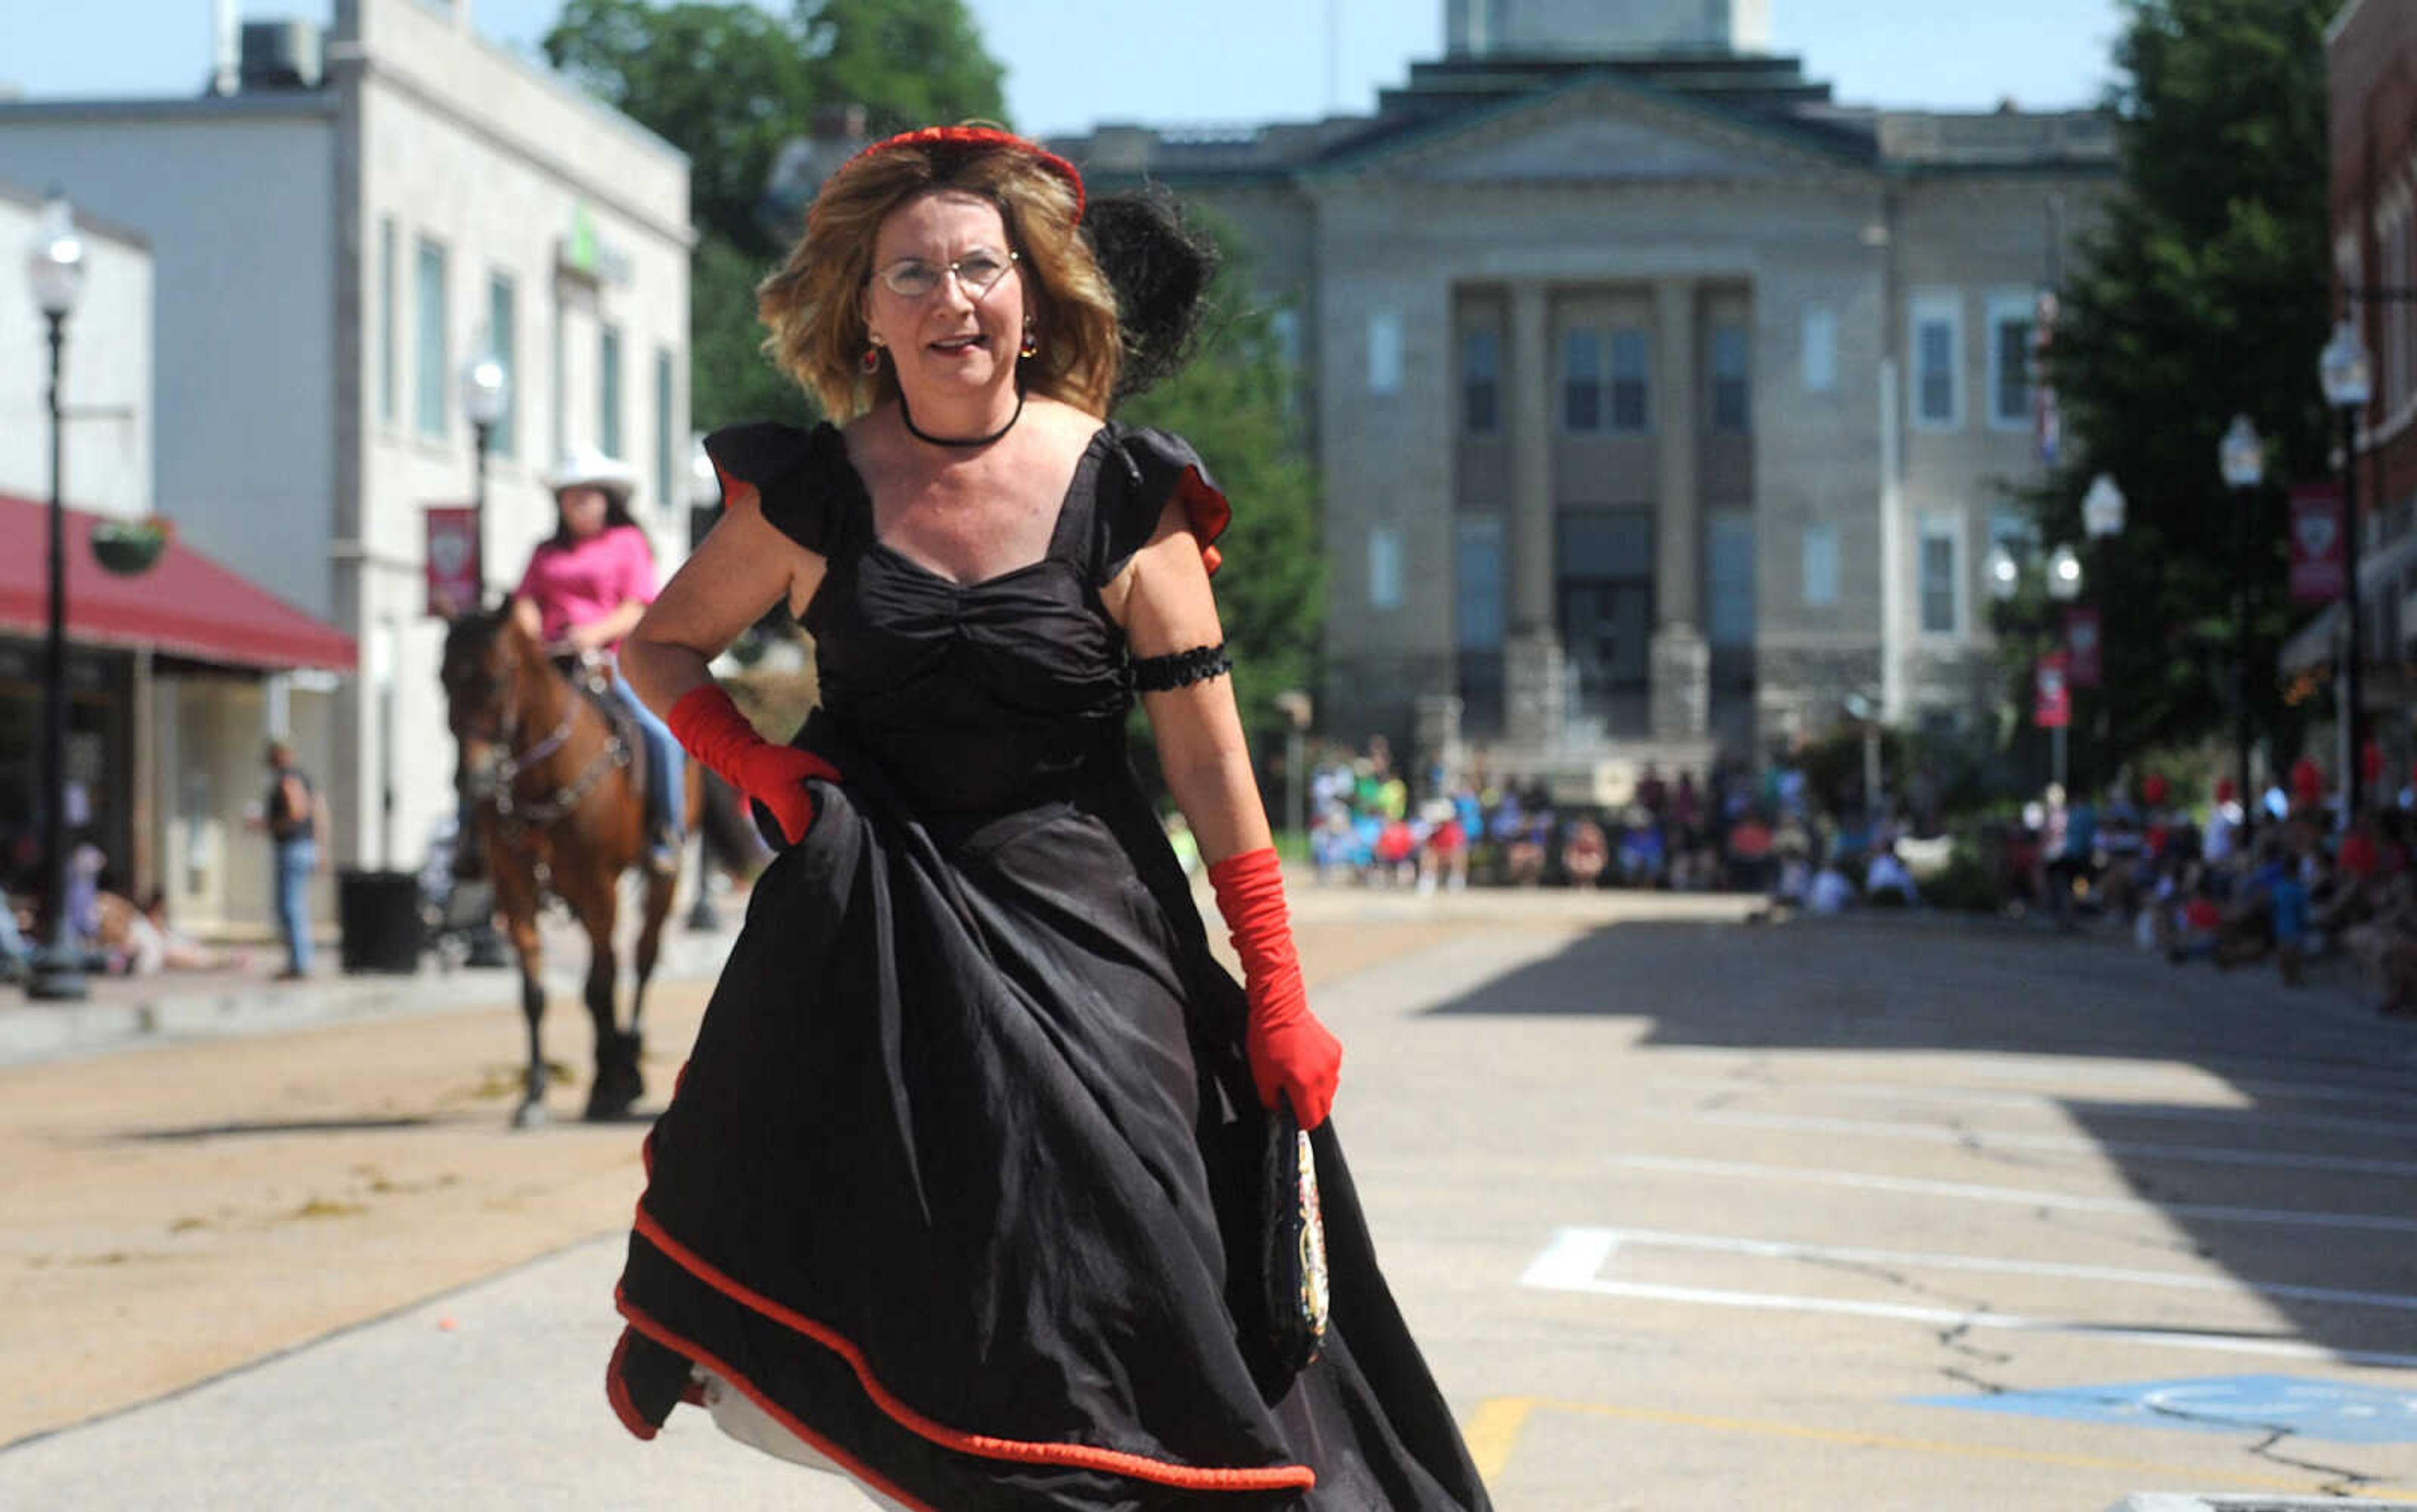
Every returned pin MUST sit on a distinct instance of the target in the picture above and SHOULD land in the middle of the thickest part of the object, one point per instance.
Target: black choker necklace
(968, 442)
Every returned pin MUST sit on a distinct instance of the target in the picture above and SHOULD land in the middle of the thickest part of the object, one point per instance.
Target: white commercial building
(336, 239)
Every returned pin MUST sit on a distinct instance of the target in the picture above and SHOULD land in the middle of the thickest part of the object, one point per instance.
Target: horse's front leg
(618, 1084)
(516, 899)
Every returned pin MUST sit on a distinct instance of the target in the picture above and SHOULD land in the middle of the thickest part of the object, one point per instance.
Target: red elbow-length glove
(716, 733)
(1290, 1050)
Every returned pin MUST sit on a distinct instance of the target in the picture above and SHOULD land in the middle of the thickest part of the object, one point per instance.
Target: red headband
(974, 136)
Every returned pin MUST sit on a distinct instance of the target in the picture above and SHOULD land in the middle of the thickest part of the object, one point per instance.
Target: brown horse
(558, 805)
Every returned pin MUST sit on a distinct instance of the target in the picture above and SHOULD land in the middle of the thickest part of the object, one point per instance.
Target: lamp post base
(57, 976)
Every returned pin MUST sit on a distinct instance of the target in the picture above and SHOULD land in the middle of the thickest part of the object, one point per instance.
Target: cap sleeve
(792, 472)
(1148, 468)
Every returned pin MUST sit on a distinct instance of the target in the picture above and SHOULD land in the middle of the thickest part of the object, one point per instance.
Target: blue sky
(1074, 63)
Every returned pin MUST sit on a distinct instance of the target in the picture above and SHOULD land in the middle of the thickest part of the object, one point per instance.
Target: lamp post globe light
(2004, 574)
(54, 269)
(2342, 371)
(2240, 458)
(2102, 509)
(2064, 575)
(486, 389)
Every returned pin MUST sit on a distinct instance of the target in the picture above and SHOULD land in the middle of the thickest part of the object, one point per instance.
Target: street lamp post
(2241, 457)
(54, 267)
(2343, 372)
(486, 389)
(2063, 586)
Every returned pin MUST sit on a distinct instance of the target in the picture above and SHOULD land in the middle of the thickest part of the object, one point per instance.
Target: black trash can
(379, 915)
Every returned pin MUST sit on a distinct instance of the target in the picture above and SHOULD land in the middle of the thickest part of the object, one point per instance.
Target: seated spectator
(1887, 877)
(1444, 858)
(1585, 852)
(1829, 891)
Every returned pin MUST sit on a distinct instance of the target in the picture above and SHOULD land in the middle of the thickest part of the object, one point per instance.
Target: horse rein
(506, 770)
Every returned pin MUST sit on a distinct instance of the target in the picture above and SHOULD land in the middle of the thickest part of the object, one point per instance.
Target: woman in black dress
(959, 1189)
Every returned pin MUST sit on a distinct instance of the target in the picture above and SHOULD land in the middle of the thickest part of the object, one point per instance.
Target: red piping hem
(697, 1353)
(1073, 1455)
(616, 1391)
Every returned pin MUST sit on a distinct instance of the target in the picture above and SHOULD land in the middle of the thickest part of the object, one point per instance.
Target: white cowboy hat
(588, 467)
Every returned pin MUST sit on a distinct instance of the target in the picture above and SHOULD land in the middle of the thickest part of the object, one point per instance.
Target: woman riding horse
(587, 586)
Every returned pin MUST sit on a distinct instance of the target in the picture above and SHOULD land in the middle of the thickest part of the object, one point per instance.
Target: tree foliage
(1237, 404)
(2203, 294)
(730, 83)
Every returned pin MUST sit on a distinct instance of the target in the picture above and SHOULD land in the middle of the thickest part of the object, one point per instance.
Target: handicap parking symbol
(2333, 1411)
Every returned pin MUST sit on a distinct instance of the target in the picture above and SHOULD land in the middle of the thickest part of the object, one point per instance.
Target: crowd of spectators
(2286, 883)
(1733, 831)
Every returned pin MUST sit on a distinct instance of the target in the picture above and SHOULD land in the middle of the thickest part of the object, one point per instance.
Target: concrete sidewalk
(124, 1013)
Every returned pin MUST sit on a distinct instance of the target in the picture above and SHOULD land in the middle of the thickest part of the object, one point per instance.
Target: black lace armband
(1163, 674)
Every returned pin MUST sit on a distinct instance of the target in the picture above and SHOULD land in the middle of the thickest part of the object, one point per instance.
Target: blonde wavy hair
(813, 305)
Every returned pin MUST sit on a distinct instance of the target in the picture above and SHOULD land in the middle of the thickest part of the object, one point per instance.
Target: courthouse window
(1729, 377)
(1581, 381)
(1820, 565)
(1480, 381)
(1384, 567)
(1478, 570)
(1937, 353)
(1729, 574)
(1632, 375)
(1820, 349)
(1385, 352)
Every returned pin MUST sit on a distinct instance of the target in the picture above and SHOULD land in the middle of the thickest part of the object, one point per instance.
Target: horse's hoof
(529, 1115)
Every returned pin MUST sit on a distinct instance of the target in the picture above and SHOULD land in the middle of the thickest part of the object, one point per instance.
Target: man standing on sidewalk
(294, 819)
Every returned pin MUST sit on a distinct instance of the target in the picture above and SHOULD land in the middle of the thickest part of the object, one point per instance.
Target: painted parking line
(2213, 1212)
(1573, 1261)
(1502, 1419)
(2143, 1112)
(2174, 1280)
(1918, 1133)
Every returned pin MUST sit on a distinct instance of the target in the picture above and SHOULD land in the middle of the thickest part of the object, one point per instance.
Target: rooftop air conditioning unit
(280, 54)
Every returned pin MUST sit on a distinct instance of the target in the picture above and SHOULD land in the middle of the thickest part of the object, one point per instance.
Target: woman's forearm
(660, 672)
(1220, 799)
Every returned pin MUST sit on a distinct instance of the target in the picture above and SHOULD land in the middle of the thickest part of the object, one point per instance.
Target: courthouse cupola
(1603, 28)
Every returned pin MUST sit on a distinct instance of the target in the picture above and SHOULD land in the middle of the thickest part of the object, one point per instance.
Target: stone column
(1681, 660)
(1532, 655)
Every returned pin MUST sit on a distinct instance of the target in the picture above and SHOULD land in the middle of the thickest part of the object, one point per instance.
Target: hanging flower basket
(130, 547)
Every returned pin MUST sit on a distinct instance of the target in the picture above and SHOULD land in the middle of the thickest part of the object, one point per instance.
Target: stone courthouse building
(1664, 403)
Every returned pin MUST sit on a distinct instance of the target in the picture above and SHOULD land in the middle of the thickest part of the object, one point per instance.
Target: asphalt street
(1879, 1214)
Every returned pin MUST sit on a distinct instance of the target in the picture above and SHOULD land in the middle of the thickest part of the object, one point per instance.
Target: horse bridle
(504, 772)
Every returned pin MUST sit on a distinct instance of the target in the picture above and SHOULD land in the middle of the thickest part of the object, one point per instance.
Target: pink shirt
(582, 583)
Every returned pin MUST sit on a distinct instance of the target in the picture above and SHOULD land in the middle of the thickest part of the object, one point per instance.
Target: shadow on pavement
(2310, 1187)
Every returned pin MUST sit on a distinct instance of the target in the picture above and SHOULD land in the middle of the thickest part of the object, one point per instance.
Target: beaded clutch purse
(1293, 1231)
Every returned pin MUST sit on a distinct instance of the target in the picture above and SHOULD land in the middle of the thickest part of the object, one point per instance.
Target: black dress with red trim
(958, 1184)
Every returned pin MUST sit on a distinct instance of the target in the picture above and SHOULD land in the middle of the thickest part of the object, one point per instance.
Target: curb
(2189, 1502)
(173, 1011)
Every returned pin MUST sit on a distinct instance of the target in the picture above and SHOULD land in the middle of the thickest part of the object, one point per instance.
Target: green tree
(730, 84)
(2203, 294)
(1237, 404)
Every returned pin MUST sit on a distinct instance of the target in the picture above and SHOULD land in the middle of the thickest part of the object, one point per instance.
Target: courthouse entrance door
(1606, 618)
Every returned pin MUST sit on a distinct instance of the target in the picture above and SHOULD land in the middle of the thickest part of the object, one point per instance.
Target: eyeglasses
(912, 278)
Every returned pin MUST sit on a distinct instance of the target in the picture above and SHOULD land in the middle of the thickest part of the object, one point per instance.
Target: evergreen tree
(2203, 294)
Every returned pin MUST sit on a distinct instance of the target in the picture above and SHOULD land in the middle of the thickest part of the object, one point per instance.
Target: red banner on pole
(2052, 692)
(2316, 544)
(454, 579)
(2081, 646)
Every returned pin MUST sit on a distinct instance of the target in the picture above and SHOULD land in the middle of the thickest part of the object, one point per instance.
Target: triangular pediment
(1601, 129)
(1599, 147)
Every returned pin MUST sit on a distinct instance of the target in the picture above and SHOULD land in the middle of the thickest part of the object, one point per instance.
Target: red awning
(185, 605)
